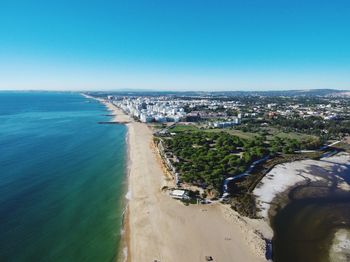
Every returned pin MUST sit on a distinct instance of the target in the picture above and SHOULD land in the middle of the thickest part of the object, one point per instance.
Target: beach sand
(119, 115)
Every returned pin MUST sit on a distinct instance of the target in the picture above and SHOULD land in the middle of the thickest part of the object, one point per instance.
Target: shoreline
(123, 251)
(157, 227)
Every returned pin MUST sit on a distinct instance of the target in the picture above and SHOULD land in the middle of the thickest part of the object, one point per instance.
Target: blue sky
(175, 45)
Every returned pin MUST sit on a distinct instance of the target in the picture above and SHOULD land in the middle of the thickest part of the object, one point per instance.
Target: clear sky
(175, 45)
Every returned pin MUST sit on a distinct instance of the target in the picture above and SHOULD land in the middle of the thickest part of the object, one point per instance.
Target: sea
(62, 178)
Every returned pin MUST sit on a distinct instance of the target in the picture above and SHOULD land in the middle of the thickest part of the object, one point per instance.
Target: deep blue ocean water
(62, 178)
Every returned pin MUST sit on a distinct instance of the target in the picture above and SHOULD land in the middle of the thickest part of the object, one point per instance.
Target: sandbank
(283, 177)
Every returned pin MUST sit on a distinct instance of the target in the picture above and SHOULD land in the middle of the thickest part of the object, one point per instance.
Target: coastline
(118, 116)
(157, 227)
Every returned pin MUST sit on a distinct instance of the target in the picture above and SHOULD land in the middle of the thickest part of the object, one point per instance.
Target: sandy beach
(159, 228)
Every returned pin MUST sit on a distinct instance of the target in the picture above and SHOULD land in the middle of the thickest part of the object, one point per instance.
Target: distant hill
(309, 92)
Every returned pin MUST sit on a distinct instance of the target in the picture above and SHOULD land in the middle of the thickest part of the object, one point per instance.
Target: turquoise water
(62, 179)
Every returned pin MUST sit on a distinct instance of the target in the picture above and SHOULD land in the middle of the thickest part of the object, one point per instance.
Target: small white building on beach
(180, 194)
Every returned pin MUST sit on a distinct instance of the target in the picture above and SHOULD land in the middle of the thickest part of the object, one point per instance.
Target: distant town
(313, 114)
(218, 146)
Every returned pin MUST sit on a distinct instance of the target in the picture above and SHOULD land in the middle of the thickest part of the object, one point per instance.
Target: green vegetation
(306, 141)
(239, 133)
(180, 128)
(315, 126)
(312, 126)
(207, 158)
(290, 145)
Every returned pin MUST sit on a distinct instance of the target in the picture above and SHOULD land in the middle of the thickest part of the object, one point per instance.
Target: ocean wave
(128, 195)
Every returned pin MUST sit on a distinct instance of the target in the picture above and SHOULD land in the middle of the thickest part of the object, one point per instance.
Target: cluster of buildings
(167, 109)
(225, 112)
(325, 111)
(151, 109)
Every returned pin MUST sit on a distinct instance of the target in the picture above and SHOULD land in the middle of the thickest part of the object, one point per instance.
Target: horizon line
(165, 91)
